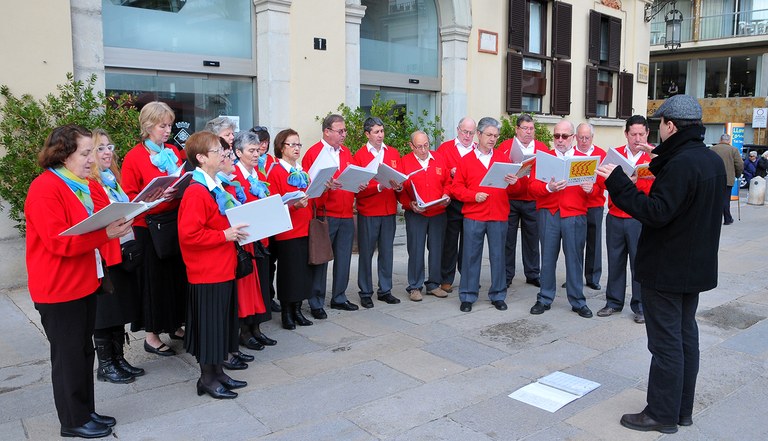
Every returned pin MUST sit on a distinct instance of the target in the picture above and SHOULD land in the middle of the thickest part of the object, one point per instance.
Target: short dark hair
(636, 119)
(681, 124)
(524, 117)
(261, 132)
(330, 119)
(372, 122)
(280, 140)
(198, 144)
(61, 143)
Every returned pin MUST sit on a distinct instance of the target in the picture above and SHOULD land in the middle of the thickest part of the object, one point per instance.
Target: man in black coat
(676, 256)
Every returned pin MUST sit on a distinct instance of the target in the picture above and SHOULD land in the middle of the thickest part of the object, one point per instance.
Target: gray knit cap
(679, 107)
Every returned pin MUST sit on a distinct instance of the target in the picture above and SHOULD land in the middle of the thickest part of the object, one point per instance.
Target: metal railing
(713, 27)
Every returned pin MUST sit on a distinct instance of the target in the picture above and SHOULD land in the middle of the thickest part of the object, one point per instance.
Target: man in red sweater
(593, 256)
(485, 211)
(622, 231)
(336, 204)
(452, 151)
(562, 217)
(376, 209)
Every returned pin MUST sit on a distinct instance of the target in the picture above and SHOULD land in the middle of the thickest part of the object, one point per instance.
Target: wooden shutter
(614, 45)
(516, 26)
(560, 100)
(624, 95)
(593, 53)
(514, 82)
(590, 106)
(562, 24)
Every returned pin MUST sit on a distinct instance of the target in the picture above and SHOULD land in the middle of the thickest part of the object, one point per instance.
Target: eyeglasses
(467, 132)
(421, 146)
(109, 147)
(217, 151)
(339, 131)
(584, 138)
(526, 128)
(258, 129)
(561, 136)
(293, 145)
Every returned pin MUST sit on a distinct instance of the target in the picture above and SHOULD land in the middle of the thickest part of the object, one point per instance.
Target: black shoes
(298, 317)
(319, 314)
(230, 383)
(366, 302)
(243, 356)
(539, 308)
(389, 298)
(264, 340)
(163, 350)
(274, 306)
(500, 305)
(465, 307)
(534, 282)
(639, 318)
(346, 306)
(103, 419)
(287, 319)
(584, 311)
(595, 286)
(251, 343)
(91, 429)
(607, 311)
(644, 423)
(220, 392)
(235, 364)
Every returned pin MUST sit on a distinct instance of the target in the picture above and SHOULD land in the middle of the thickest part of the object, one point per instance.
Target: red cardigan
(111, 251)
(371, 201)
(643, 184)
(572, 201)
(466, 185)
(597, 198)
(207, 254)
(300, 217)
(521, 193)
(137, 171)
(59, 268)
(431, 183)
(337, 203)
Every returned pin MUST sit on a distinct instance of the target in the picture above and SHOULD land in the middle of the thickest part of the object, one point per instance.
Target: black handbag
(133, 255)
(244, 262)
(164, 231)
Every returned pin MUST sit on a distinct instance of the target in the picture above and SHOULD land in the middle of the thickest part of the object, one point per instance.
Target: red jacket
(642, 184)
(59, 268)
(432, 183)
(597, 198)
(137, 171)
(572, 201)
(466, 185)
(337, 203)
(111, 251)
(521, 192)
(371, 201)
(207, 254)
(300, 217)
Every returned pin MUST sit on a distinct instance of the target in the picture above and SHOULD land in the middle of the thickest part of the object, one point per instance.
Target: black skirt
(212, 327)
(120, 307)
(294, 278)
(163, 285)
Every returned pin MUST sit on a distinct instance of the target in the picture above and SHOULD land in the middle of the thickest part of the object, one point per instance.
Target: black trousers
(727, 218)
(673, 340)
(452, 242)
(69, 328)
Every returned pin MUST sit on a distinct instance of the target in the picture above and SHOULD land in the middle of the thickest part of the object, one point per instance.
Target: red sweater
(59, 268)
(642, 184)
(571, 202)
(111, 251)
(466, 185)
(337, 203)
(597, 198)
(521, 193)
(300, 217)
(207, 254)
(371, 201)
(137, 171)
(431, 183)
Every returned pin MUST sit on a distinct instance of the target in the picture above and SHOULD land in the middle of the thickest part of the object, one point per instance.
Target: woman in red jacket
(162, 278)
(206, 244)
(113, 310)
(294, 277)
(63, 273)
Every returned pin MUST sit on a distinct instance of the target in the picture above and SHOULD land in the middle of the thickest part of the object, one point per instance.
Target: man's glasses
(339, 131)
(561, 136)
(467, 132)
(109, 147)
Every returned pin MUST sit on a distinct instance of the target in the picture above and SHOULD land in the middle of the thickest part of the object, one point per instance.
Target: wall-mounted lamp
(674, 21)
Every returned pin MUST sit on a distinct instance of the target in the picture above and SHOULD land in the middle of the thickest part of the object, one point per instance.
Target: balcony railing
(713, 27)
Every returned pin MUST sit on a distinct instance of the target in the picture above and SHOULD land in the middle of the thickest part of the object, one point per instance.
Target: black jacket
(681, 216)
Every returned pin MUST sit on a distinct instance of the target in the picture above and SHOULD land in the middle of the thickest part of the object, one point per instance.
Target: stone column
(454, 42)
(273, 63)
(87, 41)
(354, 13)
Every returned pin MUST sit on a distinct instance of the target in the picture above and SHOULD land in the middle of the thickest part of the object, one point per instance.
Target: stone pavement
(422, 371)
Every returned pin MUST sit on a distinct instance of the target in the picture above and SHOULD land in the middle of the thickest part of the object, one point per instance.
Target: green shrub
(398, 125)
(509, 124)
(25, 123)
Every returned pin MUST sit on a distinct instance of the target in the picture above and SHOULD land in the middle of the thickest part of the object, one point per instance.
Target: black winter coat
(681, 216)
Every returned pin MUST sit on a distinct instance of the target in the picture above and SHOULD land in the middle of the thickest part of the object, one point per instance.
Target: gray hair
(725, 137)
(371, 122)
(591, 128)
(486, 122)
(217, 125)
(418, 132)
(330, 119)
(245, 138)
(524, 117)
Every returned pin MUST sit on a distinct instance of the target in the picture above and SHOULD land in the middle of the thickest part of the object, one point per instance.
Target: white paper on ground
(554, 391)
(264, 217)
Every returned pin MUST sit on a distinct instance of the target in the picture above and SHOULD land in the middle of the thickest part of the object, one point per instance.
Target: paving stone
(323, 429)
(12, 431)
(611, 332)
(421, 365)
(631, 360)
(440, 430)
(541, 360)
(601, 421)
(372, 323)
(28, 344)
(31, 400)
(752, 341)
(464, 351)
(721, 372)
(431, 332)
(327, 333)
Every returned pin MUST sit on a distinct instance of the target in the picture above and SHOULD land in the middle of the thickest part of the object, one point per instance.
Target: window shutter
(560, 102)
(614, 46)
(593, 54)
(514, 82)
(562, 24)
(590, 107)
(517, 28)
(624, 95)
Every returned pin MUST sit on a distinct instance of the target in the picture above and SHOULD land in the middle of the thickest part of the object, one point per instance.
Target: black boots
(108, 369)
(298, 317)
(118, 337)
(291, 316)
(286, 315)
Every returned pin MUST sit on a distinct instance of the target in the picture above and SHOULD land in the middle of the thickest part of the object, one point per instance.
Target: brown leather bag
(320, 249)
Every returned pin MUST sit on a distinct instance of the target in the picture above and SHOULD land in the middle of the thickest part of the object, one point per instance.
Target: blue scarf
(165, 160)
(298, 179)
(258, 188)
(262, 164)
(77, 185)
(239, 192)
(224, 200)
(116, 192)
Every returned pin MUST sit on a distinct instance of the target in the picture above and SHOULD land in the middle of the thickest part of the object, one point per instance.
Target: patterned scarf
(224, 200)
(258, 188)
(298, 178)
(262, 164)
(114, 189)
(228, 181)
(77, 185)
(165, 160)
